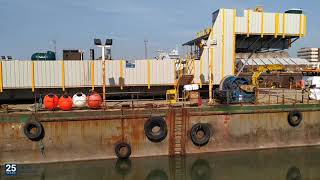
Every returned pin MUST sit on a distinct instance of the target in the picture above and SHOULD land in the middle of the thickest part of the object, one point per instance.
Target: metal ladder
(179, 133)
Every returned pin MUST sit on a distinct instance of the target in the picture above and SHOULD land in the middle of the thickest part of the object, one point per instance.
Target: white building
(310, 54)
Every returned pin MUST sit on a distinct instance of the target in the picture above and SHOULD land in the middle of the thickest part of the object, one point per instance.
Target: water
(287, 164)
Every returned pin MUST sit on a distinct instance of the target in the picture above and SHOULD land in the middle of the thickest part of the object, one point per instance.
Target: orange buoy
(94, 101)
(65, 103)
(51, 102)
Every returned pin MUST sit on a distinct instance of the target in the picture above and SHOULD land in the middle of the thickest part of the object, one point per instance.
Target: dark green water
(287, 164)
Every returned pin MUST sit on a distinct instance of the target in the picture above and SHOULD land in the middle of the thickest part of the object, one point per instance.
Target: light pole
(107, 44)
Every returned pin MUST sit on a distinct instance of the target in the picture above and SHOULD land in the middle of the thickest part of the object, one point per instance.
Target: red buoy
(94, 101)
(65, 103)
(51, 102)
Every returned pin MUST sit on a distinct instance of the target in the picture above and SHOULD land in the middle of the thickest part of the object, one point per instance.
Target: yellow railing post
(248, 23)
(121, 74)
(262, 24)
(63, 76)
(92, 75)
(276, 25)
(32, 76)
(234, 39)
(1, 82)
(149, 70)
(305, 26)
(284, 25)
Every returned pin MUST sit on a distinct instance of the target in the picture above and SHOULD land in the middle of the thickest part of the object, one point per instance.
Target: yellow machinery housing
(262, 69)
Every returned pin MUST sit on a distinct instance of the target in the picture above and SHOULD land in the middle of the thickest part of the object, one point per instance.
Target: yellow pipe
(276, 25)
(234, 39)
(248, 23)
(1, 82)
(305, 26)
(32, 76)
(284, 25)
(149, 78)
(63, 76)
(223, 36)
(121, 74)
(92, 75)
(262, 24)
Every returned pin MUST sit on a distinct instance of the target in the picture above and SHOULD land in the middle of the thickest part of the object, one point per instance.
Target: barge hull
(88, 135)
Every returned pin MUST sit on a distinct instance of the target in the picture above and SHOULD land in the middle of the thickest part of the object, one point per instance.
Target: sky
(28, 26)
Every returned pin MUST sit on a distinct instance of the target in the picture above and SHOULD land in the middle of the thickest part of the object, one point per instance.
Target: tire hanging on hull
(295, 118)
(156, 129)
(123, 150)
(200, 134)
(34, 130)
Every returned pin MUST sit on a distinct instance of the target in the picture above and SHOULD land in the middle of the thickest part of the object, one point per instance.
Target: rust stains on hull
(71, 136)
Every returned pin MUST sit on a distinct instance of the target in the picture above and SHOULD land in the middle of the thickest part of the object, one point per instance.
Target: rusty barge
(238, 114)
(87, 135)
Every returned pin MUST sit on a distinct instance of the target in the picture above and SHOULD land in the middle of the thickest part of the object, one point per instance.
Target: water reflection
(290, 164)
(294, 173)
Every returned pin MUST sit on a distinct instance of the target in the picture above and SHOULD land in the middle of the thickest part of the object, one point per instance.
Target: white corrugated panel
(113, 72)
(48, 74)
(97, 73)
(137, 75)
(269, 23)
(241, 25)
(162, 72)
(293, 24)
(77, 73)
(16, 74)
(255, 22)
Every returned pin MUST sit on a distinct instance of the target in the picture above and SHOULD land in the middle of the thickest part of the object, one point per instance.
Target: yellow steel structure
(92, 75)
(149, 75)
(121, 74)
(248, 23)
(284, 25)
(305, 26)
(262, 69)
(171, 96)
(276, 25)
(262, 24)
(32, 77)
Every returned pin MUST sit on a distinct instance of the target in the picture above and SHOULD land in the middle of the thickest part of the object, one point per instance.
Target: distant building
(310, 54)
(72, 55)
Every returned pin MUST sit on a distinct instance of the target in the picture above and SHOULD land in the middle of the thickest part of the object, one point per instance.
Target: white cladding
(226, 25)
(48, 74)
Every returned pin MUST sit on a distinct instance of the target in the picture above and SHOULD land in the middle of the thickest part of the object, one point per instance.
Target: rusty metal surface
(71, 137)
(256, 131)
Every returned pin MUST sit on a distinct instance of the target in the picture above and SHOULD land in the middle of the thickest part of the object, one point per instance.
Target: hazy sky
(28, 26)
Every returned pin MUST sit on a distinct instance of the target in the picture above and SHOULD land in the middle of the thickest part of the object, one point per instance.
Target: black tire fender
(33, 130)
(123, 150)
(200, 134)
(295, 118)
(162, 131)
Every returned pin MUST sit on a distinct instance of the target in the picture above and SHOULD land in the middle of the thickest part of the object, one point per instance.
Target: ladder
(179, 133)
